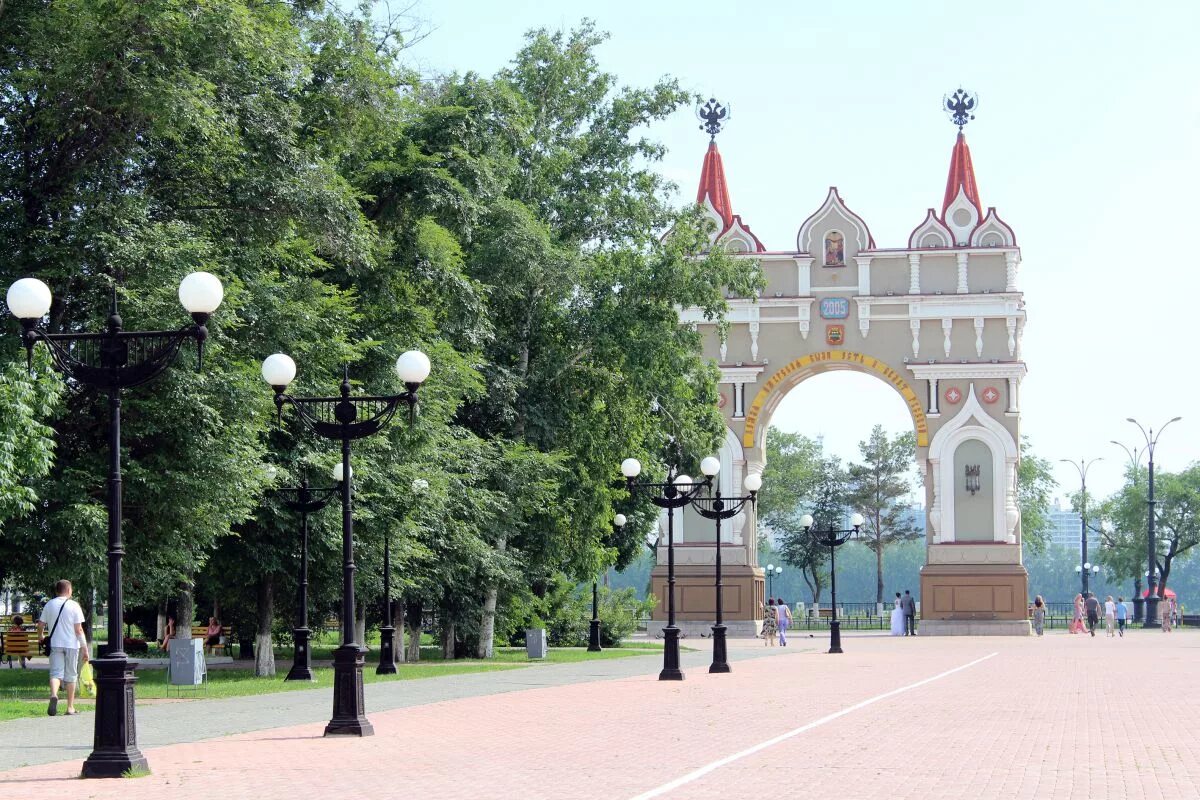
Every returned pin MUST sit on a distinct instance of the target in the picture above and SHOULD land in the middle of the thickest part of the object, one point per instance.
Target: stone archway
(940, 321)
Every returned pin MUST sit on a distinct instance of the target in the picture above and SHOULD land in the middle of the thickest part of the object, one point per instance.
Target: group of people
(212, 634)
(1087, 609)
(776, 619)
(904, 615)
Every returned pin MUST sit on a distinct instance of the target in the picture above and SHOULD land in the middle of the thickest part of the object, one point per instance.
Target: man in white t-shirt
(63, 617)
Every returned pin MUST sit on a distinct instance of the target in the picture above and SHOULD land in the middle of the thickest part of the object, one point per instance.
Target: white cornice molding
(968, 371)
(741, 374)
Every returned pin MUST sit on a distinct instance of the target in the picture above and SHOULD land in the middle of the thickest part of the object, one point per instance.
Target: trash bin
(535, 642)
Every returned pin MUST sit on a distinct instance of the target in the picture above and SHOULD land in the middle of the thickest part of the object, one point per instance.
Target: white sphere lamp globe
(753, 482)
(619, 520)
(279, 370)
(413, 367)
(29, 298)
(806, 521)
(338, 474)
(201, 293)
(856, 520)
(631, 468)
(683, 481)
(710, 466)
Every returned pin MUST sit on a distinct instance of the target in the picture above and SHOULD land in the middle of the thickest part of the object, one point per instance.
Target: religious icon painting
(835, 249)
(835, 335)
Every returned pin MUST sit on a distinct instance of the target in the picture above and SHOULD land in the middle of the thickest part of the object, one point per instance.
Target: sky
(1086, 142)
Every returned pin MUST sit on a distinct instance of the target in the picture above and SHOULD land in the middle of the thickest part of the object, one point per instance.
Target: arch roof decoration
(834, 211)
(930, 226)
(713, 191)
(738, 237)
(993, 232)
(961, 178)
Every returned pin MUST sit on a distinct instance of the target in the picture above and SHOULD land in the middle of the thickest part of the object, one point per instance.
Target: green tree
(876, 488)
(1035, 488)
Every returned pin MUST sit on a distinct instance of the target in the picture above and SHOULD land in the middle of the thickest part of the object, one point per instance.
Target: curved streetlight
(1151, 556)
(676, 491)
(112, 361)
(1082, 468)
(718, 508)
(832, 538)
(1135, 459)
(618, 524)
(338, 418)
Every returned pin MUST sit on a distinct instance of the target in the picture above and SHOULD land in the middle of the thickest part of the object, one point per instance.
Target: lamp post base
(720, 662)
(349, 709)
(387, 651)
(835, 636)
(116, 753)
(1152, 620)
(594, 636)
(301, 657)
(1137, 610)
(670, 670)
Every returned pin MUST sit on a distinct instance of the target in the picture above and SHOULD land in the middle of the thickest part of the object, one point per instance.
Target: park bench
(201, 632)
(21, 644)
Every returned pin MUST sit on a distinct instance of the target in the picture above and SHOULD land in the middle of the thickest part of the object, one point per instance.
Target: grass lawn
(23, 692)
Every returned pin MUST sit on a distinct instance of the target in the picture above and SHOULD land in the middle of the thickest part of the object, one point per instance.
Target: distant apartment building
(1064, 528)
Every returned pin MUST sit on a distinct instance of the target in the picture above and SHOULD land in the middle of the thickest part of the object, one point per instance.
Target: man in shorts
(1092, 606)
(63, 617)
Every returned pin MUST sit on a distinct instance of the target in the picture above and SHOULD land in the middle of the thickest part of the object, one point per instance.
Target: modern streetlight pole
(1135, 461)
(719, 509)
(676, 492)
(1082, 468)
(832, 539)
(304, 500)
(770, 581)
(1151, 549)
(113, 361)
(337, 418)
(594, 627)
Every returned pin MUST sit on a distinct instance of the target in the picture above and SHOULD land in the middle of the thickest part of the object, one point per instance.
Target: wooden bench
(201, 632)
(22, 644)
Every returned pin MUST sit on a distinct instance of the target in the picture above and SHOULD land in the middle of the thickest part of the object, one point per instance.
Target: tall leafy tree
(1035, 489)
(877, 488)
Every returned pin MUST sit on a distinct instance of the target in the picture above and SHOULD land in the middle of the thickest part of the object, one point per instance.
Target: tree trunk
(185, 612)
(487, 626)
(412, 625)
(264, 649)
(448, 640)
(878, 572)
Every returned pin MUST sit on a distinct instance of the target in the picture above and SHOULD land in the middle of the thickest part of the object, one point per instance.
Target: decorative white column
(864, 274)
(1011, 324)
(803, 276)
(1011, 259)
(914, 325)
(933, 396)
(754, 340)
(914, 273)
(962, 273)
(1013, 404)
(946, 326)
(979, 337)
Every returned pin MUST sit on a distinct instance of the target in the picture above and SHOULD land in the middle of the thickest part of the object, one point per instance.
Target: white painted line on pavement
(700, 773)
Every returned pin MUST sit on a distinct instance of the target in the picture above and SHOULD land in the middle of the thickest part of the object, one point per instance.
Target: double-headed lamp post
(832, 538)
(719, 508)
(594, 627)
(305, 500)
(111, 361)
(1151, 550)
(1135, 461)
(676, 492)
(338, 418)
(1082, 468)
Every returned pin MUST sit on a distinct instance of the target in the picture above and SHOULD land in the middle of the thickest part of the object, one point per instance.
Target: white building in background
(1064, 528)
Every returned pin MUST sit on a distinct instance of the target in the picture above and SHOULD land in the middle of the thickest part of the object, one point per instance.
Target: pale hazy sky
(1085, 141)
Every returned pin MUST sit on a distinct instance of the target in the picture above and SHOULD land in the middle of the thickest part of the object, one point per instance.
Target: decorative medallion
(953, 395)
(835, 308)
(990, 395)
(835, 334)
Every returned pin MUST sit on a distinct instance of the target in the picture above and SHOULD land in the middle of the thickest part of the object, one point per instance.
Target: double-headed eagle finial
(713, 115)
(960, 106)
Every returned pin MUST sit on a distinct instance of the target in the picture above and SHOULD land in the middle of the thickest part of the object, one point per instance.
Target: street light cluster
(116, 359)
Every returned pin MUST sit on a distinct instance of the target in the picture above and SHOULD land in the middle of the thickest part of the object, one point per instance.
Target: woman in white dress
(897, 618)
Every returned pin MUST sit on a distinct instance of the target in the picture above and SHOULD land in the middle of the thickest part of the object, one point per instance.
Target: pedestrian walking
(1110, 616)
(783, 618)
(770, 627)
(1039, 614)
(1122, 616)
(1077, 621)
(909, 604)
(68, 644)
(1166, 615)
(1092, 607)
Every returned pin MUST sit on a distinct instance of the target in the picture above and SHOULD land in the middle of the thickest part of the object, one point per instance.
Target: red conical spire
(713, 186)
(962, 176)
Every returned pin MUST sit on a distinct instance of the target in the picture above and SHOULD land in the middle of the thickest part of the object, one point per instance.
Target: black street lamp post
(387, 631)
(337, 418)
(676, 492)
(1151, 542)
(1085, 566)
(717, 508)
(304, 500)
(112, 361)
(1135, 460)
(832, 539)
(594, 626)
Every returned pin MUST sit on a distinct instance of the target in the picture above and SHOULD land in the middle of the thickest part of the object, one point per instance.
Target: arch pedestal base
(974, 600)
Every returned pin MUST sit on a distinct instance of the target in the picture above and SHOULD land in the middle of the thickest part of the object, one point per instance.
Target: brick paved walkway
(1059, 717)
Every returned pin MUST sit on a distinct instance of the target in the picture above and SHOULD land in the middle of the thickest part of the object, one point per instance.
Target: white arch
(973, 422)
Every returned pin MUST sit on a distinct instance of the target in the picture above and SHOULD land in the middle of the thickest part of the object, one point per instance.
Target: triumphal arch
(940, 320)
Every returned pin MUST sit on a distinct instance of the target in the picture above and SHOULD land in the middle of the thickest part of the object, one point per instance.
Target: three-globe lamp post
(676, 492)
(718, 508)
(345, 418)
(1151, 549)
(832, 538)
(112, 361)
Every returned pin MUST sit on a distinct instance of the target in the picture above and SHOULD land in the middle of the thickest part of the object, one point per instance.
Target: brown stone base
(974, 592)
(742, 596)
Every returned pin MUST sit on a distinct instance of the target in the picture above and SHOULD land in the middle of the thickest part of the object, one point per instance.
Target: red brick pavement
(1059, 717)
